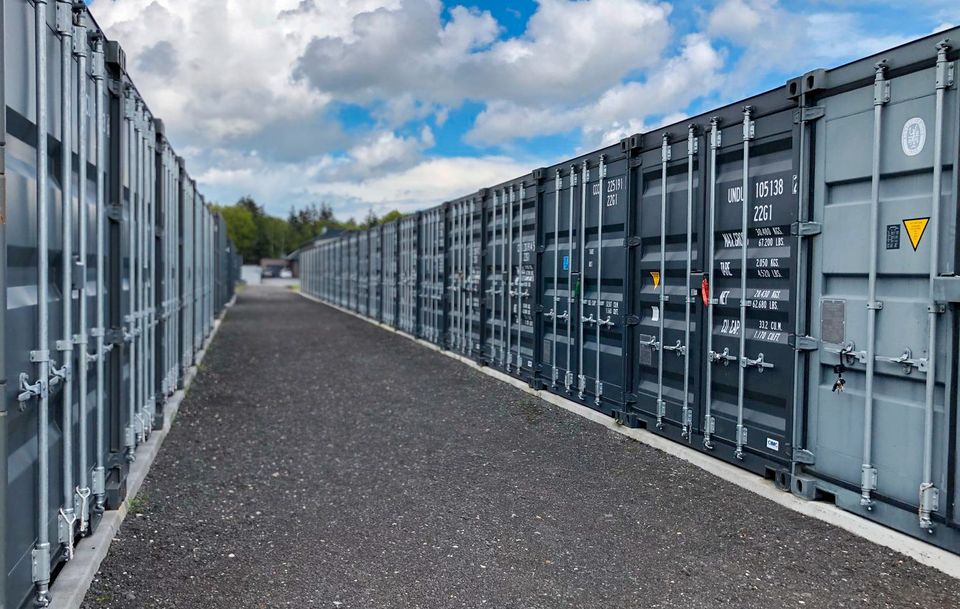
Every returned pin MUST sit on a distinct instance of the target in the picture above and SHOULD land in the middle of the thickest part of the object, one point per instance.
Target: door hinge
(805, 229)
(804, 343)
(631, 320)
(808, 114)
(115, 213)
(802, 455)
(633, 241)
(946, 289)
(630, 398)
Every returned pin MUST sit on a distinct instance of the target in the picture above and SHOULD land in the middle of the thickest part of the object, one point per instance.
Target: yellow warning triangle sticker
(915, 228)
(656, 278)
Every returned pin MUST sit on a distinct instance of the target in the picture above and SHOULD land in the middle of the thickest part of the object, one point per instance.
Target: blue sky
(400, 104)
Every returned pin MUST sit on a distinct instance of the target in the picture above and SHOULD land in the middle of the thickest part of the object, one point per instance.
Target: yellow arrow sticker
(656, 278)
(915, 228)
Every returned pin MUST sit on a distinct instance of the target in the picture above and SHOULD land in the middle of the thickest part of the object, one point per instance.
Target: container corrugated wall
(773, 282)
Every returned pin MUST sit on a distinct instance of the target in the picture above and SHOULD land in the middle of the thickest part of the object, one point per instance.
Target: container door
(495, 291)
(363, 243)
(376, 272)
(389, 274)
(558, 279)
(474, 277)
(521, 279)
(603, 267)
(463, 295)
(429, 291)
(669, 274)
(749, 364)
(880, 389)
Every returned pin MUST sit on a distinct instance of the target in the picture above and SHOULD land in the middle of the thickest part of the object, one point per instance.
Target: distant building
(293, 258)
(272, 267)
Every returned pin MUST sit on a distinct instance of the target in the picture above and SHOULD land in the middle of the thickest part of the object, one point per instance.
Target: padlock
(839, 384)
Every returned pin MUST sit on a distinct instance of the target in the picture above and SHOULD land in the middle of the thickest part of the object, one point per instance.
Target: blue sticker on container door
(566, 263)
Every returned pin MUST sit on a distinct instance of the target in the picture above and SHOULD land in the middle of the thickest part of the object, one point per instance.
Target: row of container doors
(108, 273)
(758, 283)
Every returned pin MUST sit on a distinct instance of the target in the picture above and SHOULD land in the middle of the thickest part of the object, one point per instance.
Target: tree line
(259, 235)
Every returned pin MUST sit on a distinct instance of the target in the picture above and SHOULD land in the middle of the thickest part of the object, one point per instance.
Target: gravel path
(319, 461)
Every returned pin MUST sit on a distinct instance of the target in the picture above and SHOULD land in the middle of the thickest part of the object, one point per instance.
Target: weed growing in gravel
(137, 503)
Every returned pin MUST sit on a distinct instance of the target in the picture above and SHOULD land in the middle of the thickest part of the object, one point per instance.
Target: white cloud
(775, 39)
(618, 112)
(570, 51)
(422, 183)
(221, 69)
(427, 183)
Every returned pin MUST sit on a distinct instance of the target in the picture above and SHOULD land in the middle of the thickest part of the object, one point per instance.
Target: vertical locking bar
(687, 294)
(142, 270)
(744, 242)
(571, 293)
(929, 494)
(41, 551)
(602, 171)
(715, 143)
(504, 284)
(82, 492)
(67, 516)
(470, 274)
(520, 293)
(556, 272)
(581, 373)
(461, 276)
(100, 143)
(868, 475)
(493, 279)
(129, 436)
(510, 289)
(661, 292)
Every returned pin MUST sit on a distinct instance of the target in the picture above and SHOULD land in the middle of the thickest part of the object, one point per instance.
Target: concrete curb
(921, 552)
(71, 585)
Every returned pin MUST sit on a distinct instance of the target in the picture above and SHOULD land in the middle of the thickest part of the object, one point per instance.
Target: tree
(241, 228)
(258, 235)
(371, 220)
(391, 216)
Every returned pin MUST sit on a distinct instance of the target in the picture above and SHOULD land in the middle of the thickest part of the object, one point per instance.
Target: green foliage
(391, 216)
(258, 235)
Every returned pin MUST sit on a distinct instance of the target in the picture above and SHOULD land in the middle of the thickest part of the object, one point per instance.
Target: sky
(402, 104)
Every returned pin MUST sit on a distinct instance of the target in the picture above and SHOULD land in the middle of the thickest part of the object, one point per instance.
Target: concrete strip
(923, 553)
(71, 585)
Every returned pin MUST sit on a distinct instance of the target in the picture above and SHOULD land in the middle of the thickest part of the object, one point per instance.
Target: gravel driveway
(319, 461)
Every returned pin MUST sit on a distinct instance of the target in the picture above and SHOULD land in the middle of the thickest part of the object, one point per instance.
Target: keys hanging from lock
(838, 385)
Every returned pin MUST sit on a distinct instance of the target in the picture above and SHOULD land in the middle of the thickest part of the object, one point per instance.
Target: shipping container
(93, 195)
(773, 282)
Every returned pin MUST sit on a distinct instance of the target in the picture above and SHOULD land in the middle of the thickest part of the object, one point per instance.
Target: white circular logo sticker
(913, 137)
